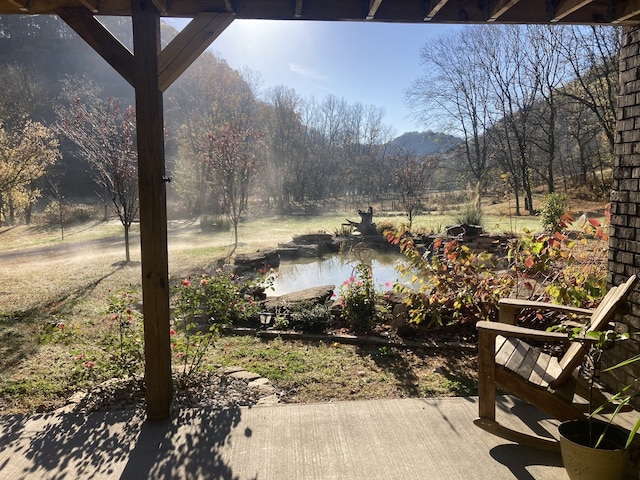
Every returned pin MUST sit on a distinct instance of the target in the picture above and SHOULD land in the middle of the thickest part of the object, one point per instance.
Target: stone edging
(353, 339)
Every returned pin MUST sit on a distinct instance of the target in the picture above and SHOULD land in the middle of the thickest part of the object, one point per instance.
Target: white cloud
(306, 72)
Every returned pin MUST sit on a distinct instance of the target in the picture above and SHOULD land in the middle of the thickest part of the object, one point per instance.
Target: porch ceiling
(620, 12)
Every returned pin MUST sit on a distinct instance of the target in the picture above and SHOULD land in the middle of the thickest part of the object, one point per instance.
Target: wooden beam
(432, 7)
(100, 39)
(567, 7)
(630, 10)
(189, 44)
(298, 9)
(153, 210)
(373, 8)
(161, 5)
(92, 5)
(23, 5)
(499, 8)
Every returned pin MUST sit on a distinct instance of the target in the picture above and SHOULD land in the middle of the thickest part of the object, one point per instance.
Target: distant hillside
(425, 143)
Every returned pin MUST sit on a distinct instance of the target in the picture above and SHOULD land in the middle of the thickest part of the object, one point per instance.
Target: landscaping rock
(313, 238)
(312, 295)
(244, 375)
(256, 261)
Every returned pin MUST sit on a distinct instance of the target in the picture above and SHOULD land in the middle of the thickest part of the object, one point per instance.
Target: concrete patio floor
(379, 439)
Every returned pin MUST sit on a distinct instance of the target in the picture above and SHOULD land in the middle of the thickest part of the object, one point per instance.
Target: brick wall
(624, 243)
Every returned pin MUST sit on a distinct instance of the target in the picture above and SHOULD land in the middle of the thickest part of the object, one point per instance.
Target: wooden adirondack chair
(547, 382)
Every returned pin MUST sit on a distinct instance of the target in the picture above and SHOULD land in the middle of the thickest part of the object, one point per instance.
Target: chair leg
(486, 376)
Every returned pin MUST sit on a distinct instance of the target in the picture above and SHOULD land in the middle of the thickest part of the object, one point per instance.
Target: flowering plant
(359, 299)
(201, 307)
(126, 348)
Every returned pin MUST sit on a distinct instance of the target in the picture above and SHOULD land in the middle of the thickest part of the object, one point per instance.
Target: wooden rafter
(23, 5)
(499, 8)
(432, 7)
(373, 8)
(567, 7)
(92, 5)
(588, 12)
(162, 6)
(189, 44)
(630, 10)
(100, 39)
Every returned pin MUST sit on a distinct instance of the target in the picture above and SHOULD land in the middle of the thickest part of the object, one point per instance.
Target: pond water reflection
(295, 275)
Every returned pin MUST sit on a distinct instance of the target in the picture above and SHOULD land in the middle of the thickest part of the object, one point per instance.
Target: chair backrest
(600, 318)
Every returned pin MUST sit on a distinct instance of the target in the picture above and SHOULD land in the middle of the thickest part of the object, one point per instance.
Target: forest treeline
(517, 107)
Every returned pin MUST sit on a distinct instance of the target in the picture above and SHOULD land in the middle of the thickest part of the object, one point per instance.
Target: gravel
(214, 390)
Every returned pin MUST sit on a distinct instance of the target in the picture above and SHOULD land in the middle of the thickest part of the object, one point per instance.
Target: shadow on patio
(378, 439)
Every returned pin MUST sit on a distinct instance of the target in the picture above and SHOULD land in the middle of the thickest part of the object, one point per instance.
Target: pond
(295, 275)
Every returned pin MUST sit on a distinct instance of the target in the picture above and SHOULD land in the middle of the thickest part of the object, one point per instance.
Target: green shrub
(554, 208)
(201, 307)
(358, 299)
(471, 212)
(309, 318)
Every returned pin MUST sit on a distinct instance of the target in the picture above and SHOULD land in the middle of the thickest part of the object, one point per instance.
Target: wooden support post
(153, 209)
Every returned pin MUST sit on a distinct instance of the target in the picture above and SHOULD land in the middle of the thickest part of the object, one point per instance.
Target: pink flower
(88, 364)
(387, 284)
(60, 326)
(203, 281)
(172, 332)
(345, 283)
(186, 282)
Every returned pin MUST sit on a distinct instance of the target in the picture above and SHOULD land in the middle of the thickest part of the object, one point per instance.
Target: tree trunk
(27, 214)
(126, 244)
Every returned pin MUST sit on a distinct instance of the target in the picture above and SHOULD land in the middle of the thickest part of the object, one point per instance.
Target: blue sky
(370, 63)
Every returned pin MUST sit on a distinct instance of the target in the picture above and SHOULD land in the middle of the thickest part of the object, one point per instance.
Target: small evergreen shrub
(554, 208)
(310, 318)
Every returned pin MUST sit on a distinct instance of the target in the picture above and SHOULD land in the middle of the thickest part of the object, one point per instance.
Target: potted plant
(592, 449)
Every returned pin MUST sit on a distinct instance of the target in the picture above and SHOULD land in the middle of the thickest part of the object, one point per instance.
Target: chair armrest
(508, 307)
(507, 330)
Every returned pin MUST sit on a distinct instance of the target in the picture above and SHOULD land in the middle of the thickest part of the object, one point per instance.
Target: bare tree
(514, 96)
(543, 63)
(411, 176)
(232, 157)
(105, 133)
(592, 53)
(285, 171)
(453, 94)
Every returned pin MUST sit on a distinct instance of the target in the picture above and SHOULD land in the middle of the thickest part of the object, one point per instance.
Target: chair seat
(529, 363)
